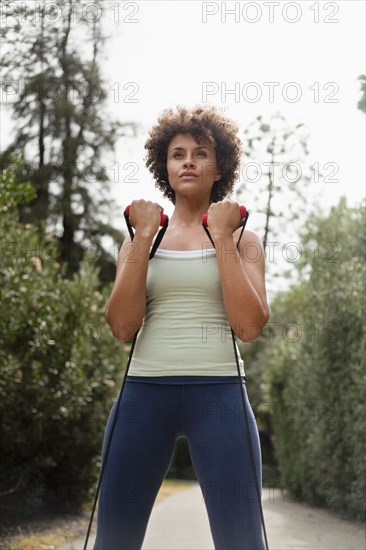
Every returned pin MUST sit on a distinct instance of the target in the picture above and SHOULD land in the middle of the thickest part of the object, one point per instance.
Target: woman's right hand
(145, 216)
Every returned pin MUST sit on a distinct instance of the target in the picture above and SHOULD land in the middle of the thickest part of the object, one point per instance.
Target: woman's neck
(188, 213)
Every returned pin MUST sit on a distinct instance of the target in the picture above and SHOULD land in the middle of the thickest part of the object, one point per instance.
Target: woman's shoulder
(249, 237)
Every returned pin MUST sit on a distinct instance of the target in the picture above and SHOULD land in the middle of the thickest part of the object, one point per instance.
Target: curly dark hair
(202, 122)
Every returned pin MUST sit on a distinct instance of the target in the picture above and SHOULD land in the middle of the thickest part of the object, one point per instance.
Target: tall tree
(59, 105)
(26, 67)
(275, 181)
(314, 374)
(59, 368)
(273, 185)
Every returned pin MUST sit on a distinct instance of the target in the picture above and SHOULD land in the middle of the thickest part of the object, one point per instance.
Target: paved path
(180, 522)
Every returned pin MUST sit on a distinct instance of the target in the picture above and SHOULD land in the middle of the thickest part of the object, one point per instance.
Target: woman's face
(192, 167)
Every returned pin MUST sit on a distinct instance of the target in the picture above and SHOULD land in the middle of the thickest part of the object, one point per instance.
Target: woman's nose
(188, 161)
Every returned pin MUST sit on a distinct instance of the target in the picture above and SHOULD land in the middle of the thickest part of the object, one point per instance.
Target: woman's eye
(179, 154)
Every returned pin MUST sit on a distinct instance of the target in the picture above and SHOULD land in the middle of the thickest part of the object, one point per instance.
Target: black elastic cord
(158, 239)
(250, 441)
(159, 236)
(242, 229)
(129, 226)
(256, 478)
(104, 461)
(243, 224)
(208, 234)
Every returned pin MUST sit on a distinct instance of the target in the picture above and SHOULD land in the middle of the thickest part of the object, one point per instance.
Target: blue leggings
(156, 411)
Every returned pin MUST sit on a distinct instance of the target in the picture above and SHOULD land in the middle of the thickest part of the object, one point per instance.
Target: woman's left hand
(223, 218)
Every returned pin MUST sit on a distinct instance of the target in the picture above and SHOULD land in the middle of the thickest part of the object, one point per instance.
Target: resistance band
(244, 215)
(164, 220)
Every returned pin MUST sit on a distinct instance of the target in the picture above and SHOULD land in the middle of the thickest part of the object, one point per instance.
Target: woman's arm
(126, 306)
(242, 274)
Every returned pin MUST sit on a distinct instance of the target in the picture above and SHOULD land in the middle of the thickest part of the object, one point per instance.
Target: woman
(183, 378)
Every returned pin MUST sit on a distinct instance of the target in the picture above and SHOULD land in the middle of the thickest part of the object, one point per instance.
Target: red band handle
(243, 214)
(163, 217)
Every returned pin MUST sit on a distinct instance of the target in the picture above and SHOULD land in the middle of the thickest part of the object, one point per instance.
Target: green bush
(315, 378)
(60, 370)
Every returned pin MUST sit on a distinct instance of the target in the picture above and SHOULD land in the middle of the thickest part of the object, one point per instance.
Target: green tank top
(185, 329)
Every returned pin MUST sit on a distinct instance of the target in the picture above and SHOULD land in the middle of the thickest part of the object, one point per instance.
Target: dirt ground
(179, 521)
(49, 531)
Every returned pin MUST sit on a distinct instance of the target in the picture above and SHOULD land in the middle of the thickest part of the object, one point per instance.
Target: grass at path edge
(41, 537)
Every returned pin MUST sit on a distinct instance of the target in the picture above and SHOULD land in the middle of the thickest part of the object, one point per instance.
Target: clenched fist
(145, 216)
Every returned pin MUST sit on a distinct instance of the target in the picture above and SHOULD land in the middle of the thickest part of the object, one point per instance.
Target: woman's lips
(188, 176)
